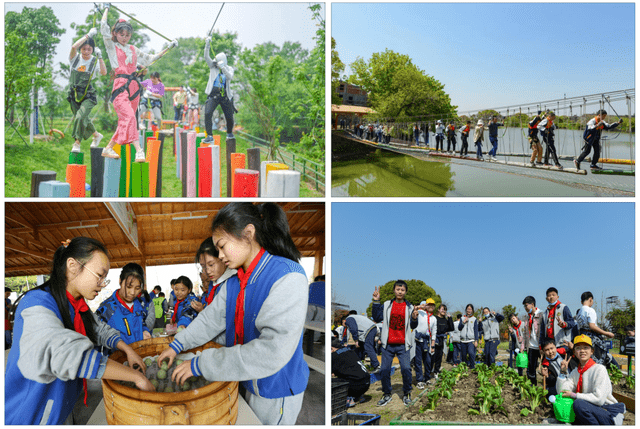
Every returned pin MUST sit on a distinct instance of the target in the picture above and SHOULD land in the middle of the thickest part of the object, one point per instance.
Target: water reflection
(385, 174)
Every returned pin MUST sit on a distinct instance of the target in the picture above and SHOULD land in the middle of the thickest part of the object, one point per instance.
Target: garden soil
(456, 409)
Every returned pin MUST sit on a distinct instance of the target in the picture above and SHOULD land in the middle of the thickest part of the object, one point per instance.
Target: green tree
(507, 311)
(417, 292)
(55, 104)
(399, 89)
(619, 317)
(40, 29)
(337, 67)
(20, 284)
(20, 71)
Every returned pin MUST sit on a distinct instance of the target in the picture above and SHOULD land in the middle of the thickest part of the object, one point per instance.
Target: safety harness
(130, 78)
(74, 89)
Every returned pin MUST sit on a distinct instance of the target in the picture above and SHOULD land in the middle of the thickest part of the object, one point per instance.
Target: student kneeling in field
(590, 387)
(398, 317)
(551, 364)
(346, 365)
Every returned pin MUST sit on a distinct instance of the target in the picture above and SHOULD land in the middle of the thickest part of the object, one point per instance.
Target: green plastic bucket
(522, 360)
(563, 409)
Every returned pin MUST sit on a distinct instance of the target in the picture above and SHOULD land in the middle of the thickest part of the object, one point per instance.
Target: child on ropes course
(493, 137)
(218, 91)
(534, 141)
(126, 86)
(464, 136)
(592, 135)
(153, 93)
(546, 127)
(478, 137)
(82, 96)
(451, 137)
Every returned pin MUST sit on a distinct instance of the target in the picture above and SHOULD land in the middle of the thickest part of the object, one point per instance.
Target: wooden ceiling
(34, 230)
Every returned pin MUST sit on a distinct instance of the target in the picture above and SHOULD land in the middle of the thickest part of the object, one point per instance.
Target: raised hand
(564, 365)
(376, 294)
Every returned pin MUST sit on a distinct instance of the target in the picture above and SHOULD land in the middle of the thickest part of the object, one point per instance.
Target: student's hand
(564, 365)
(143, 383)
(197, 306)
(92, 32)
(182, 372)
(414, 314)
(98, 53)
(174, 43)
(376, 294)
(568, 345)
(169, 353)
(448, 315)
(561, 322)
(475, 344)
(135, 361)
(545, 372)
(146, 335)
(620, 121)
(208, 40)
(493, 312)
(357, 344)
(465, 319)
(569, 394)
(610, 335)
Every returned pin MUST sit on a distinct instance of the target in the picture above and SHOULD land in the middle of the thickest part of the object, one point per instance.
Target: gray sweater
(280, 322)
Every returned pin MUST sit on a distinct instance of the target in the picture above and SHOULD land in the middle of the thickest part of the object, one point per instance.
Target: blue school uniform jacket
(47, 362)
(130, 323)
(184, 312)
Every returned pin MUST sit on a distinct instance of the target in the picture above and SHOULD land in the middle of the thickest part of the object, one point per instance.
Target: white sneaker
(75, 147)
(142, 127)
(96, 140)
(493, 158)
(421, 385)
(110, 153)
(140, 156)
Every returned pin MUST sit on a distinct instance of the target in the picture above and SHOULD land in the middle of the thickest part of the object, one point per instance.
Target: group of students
(255, 306)
(574, 355)
(130, 96)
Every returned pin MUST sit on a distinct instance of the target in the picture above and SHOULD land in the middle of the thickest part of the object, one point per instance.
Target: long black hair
(134, 271)
(269, 220)
(82, 250)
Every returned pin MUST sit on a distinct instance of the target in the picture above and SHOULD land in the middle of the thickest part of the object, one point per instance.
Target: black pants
(357, 390)
(550, 149)
(533, 355)
(439, 142)
(464, 149)
(587, 150)
(213, 101)
(451, 140)
(437, 357)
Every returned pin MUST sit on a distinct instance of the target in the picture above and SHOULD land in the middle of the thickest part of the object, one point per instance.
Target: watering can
(522, 360)
(563, 408)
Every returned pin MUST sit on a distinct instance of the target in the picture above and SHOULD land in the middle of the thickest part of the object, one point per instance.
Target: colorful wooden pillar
(125, 170)
(231, 148)
(238, 161)
(191, 165)
(153, 154)
(76, 178)
(275, 166)
(253, 161)
(76, 158)
(53, 189)
(111, 178)
(216, 142)
(283, 184)
(97, 171)
(38, 177)
(205, 171)
(140, 179)
(245, 183)
(263, 177)
(161, 137)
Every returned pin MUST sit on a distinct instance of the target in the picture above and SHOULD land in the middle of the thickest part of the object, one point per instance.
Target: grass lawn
(21, 160)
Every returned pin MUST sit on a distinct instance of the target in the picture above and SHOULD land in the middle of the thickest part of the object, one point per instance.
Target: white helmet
(221, 59)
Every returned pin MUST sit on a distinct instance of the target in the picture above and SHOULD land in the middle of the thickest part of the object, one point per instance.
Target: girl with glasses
(56, 335)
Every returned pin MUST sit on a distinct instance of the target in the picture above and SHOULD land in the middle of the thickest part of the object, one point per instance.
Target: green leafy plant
(615, 374)
(631, 381)
(432, 399)
(525, 412)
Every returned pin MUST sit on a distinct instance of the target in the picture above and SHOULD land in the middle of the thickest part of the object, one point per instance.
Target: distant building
(352, 95)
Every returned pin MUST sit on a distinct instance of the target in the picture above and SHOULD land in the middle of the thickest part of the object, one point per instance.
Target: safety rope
(144, 25)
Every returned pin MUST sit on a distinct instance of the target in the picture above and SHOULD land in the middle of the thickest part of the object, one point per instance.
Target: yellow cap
(582, 339)
(431, 301)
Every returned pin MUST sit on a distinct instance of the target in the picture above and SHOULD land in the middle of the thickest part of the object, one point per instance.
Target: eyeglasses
(101, 281)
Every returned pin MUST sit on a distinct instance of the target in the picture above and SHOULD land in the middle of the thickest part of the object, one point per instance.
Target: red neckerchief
(344, 333)
(175, 311)
(429, 323)
(79, 306)
(212, 292)
(244, 279)
(550, 319)
(123, 302)
(531, 317)
(587, 365)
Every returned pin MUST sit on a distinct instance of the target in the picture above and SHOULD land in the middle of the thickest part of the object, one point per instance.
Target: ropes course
(562, 107)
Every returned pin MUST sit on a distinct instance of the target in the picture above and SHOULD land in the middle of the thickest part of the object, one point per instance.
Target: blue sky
(498, 54)
(489, 254)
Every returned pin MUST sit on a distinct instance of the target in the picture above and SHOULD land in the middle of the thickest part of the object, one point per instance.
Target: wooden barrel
(213, 404)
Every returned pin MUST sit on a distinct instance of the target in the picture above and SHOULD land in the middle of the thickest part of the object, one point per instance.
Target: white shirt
(83, 65)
